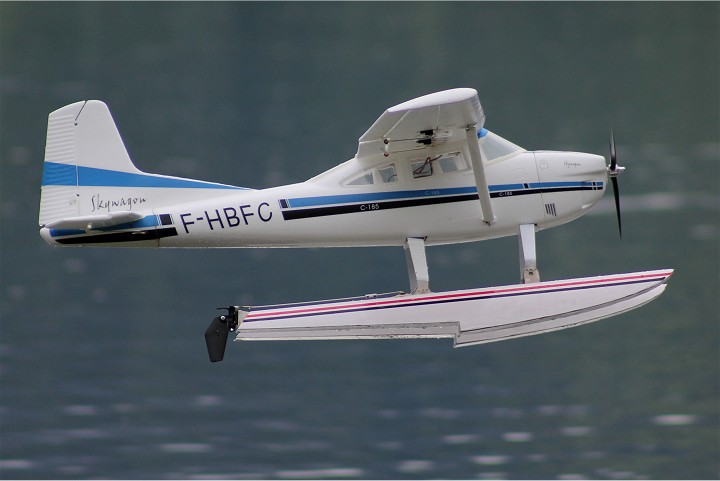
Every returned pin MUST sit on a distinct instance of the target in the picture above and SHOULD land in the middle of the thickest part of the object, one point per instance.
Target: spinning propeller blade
(616, 193)
(613, 152)
(613, 172)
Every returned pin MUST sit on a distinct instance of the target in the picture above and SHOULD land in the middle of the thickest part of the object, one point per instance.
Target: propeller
(613, 171)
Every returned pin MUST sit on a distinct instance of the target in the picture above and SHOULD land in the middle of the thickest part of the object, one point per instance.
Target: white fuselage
(541, 188)
(356, 205)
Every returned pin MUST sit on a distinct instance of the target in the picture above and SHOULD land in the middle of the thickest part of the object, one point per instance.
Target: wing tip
(436, 98)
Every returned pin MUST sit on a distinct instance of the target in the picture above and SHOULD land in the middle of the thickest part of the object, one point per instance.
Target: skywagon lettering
(124, 203)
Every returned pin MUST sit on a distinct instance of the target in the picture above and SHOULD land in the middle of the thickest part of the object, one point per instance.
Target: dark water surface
(103, 370)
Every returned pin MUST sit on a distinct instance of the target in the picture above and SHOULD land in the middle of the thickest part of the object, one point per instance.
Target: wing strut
(417, 265)
(479, 171)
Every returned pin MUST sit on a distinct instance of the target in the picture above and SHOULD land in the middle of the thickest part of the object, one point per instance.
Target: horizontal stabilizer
(96, 221)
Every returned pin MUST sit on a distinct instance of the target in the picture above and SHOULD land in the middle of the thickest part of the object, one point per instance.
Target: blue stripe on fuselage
(542, 185)
(406, 194)
(374, 196)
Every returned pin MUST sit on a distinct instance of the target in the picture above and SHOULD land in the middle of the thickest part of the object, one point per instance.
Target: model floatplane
(426, 173)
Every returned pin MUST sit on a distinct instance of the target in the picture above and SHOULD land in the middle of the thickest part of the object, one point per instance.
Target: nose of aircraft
(573, 182)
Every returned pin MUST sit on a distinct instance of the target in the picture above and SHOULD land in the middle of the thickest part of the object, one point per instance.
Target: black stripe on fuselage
(372, 206)
(544, 190)
(134, 236)
(399, 204)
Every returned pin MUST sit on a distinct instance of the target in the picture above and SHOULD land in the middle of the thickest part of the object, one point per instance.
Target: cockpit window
(495, 147)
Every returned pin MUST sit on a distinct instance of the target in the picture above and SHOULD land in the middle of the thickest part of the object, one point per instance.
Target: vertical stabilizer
(79, 135)
(88, 172)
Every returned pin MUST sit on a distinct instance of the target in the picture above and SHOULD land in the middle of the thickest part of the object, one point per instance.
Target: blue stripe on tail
(64, 174)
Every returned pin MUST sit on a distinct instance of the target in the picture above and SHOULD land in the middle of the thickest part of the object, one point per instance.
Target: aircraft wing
(427, 121)
(423, 121)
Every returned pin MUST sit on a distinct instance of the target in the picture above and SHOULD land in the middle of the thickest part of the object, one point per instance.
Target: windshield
(495, 147)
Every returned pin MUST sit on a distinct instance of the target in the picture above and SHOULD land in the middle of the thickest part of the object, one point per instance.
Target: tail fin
(88, 172)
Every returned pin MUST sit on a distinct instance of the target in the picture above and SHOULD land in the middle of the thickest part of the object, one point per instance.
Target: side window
(364, 179)
(449, 164)
(422, 168)
(385, 174)
(445, 164)
(388, 173)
